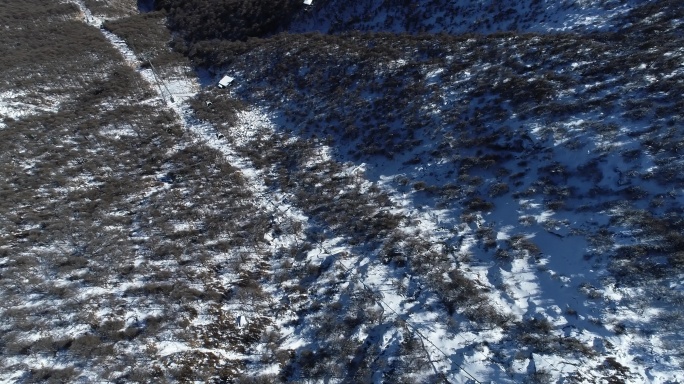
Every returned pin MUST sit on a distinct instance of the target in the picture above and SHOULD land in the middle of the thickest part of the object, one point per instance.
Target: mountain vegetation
(228, 19)
(458, 191)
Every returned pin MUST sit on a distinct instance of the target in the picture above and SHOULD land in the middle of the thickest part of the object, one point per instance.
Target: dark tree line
(228, 19)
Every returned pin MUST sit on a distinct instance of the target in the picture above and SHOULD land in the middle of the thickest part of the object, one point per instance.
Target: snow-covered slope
(357, 207)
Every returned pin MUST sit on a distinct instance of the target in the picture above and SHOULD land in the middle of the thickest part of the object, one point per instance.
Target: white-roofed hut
(225, 81)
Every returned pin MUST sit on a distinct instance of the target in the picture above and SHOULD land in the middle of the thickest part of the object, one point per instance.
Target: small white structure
(308, 2)
(241, 321)
(225, 81)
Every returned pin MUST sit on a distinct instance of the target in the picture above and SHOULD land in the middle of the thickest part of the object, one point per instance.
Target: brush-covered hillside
(464, 16)
(459, 192)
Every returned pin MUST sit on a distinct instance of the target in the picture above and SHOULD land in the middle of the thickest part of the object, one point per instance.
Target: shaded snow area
(553, 284)
(463, 16)
(548, 278)
(531, 239)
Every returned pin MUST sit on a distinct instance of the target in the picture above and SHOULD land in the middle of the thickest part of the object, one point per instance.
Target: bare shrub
(498, 189)
(52, 374)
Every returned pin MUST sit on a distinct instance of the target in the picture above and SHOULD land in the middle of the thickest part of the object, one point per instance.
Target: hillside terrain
(458, 192)
(464, 16)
